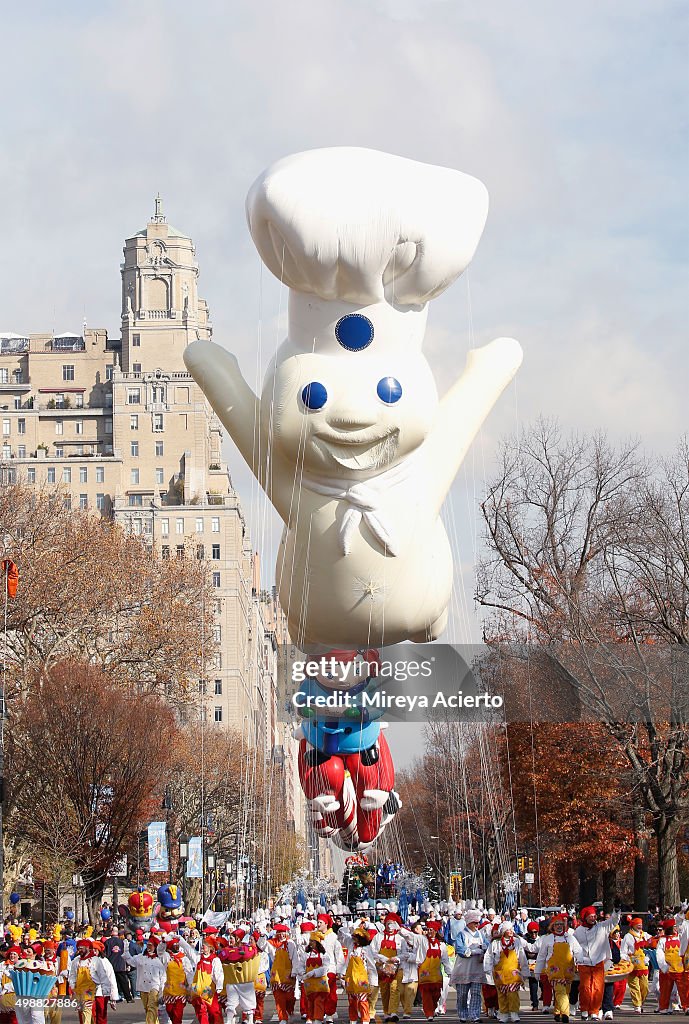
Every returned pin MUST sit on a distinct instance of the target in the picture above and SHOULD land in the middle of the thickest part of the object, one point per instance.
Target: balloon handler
(240, 963)
(345, 766)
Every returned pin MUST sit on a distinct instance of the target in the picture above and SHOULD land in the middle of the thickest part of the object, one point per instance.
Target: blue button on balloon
(389, 390)
(354, 332)
(314, 395)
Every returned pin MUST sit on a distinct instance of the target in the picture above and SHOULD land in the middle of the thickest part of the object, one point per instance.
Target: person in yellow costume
(633, 945)
(179, 972)
(432, 957)
(86, 973)
(556, 961)
(506, 961)
(8, 997)
(387, 948)
(671, 967)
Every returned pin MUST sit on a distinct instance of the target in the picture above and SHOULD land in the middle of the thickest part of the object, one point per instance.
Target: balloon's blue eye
(314, 395)
(354, 332)
(389, 390)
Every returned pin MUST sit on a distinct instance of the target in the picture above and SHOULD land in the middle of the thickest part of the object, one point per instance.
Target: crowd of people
(571, 964)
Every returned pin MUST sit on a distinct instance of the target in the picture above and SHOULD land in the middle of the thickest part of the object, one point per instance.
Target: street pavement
(133, 1013)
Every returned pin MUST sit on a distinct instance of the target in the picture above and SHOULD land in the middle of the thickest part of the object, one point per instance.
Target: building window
(217, 714)
(165, 527)
(218, 607)
(218, 687)
(158, 421)
(7, 451)
(217, 634)
(67, 502)
(136, 368)
(68, 373)
(134, 476)
(217, 662)
(159, 449)
(31, 475)
(160, 476)
(134, 449)
(100, 474)
(216, 552)
(136, 527)
(78, 449)
(109, 370)
(108, 425)
(136, 341)
(180, 550)
(133, 396)
(136, 500)
(83, 474)
(215, 524)
(21, 426)
(4, 375)
(165, 552)
(199, 525)
(200, 553)
(17, 403)
(79, 401)
(216, 579)
(83, 501)
(51, 474)
(134, 422)
(78, 426)
(6, 428)
(21, 451)
(67, 475)
(59, 451)
(100, 502)
(59, 427)
(179, 526)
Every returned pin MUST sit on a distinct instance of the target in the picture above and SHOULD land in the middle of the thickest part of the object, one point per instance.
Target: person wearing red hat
(432, 957)
(52, 1009)
(633, 945)
(387, 948)
(284, 971)
(178, 964)
(207, 981)
(556, 964)
(261, 982)
(671, 967)
(150, 976)
(593, 937)
(531, 940)
(87, 975)
(333, 948)
(361, 976)
(7, 995)
(302, 942)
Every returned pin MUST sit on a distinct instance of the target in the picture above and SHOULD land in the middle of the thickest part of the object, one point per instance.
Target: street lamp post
(210, 867)
(183, 858)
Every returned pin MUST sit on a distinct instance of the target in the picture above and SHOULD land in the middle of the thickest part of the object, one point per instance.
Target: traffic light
(530, 863)
(521, 863)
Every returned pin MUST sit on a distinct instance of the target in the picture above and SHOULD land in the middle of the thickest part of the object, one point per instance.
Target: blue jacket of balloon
(344, 728)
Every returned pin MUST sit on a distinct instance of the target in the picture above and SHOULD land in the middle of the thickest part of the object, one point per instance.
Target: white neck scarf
(363, 501)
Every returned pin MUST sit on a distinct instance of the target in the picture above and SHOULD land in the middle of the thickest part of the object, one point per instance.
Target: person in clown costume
(207, 982)
(593, 938)
(7, 994)
(333, 948)
(467, 974)
(284, 971)
(555, 962)
(361, 976)
(302, 940)
(314, 969)
(388, 948)
(53, 1011)
(671, 968)
(506, 961)
(432, 958)
(88, 973)
(261, 982)
(178, 963)
(633, 945)
(100, 1012)
(150, 976)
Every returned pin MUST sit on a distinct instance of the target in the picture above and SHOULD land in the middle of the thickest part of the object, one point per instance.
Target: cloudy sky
(574, 116)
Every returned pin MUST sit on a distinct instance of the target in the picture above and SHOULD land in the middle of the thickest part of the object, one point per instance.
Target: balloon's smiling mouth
(356, 454)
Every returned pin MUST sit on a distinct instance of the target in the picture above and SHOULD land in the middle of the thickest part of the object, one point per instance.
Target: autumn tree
(84, 764)
(589, 564)
(89, 592)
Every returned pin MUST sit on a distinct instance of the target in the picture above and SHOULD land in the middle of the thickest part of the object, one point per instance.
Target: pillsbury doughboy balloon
(349, 438)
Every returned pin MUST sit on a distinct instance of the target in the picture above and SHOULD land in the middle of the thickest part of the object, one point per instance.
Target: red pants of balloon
(370, 769)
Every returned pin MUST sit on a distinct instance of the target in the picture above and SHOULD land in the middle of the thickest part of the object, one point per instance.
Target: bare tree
(589, 563)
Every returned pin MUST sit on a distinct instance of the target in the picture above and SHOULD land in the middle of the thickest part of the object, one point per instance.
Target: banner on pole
(195, 859)
(157, 846)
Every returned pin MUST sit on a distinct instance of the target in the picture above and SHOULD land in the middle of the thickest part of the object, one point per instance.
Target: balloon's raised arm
(466, 405)
(217, 373)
